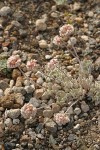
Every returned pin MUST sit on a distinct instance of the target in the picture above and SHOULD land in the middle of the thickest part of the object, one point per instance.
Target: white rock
(54, 8)
(77, 127)
(11, 83)
(5, 11)
(8, 122)
(45, 17)
(41, 25)
(13, 113)
(90, 13)
(76, 6)
(77, 111)
(85, 38)
(54, 15)
(29, 89)
(48, 57)
(5, 49)
(40, 81)
(16, 121)
(43, 44)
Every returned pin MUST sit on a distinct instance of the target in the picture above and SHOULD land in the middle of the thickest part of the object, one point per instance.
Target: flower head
(52, 63)
(66, 30)
(28, 110)
(57, 40)
(13, 61)
(61, 118)
(31, 64)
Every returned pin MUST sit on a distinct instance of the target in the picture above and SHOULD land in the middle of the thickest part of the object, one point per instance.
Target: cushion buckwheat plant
(31, 64)
(73, 87)
(28, 110)
(64, 33)
(61, 118)
(13, 61)
(66, 30)
(57, 40)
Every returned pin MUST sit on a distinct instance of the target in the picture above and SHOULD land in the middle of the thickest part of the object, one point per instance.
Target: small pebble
(41, 25)
(43, 44)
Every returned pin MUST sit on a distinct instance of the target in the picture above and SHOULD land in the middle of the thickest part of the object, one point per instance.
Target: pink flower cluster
(65, 31)
(13, 61)
(52, 63)
(31, 64)
(28, 110)
(57, 40)
(61, 118)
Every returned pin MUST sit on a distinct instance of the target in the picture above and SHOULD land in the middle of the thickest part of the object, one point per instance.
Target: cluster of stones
(25, 105)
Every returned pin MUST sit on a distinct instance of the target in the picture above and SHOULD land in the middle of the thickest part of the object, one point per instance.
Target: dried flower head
(31, 64)
(52, 63)
(66, 30)
(13, 61)
(61, 118)
(57, 40)
(28, 110)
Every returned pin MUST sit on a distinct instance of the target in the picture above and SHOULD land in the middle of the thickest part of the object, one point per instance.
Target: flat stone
(34, 102)
(5, 11)
(3, 85)
(29, 89)
(13, 113)
(72, 137)
(51, 126)
(48, 113)
(40, 81)
(68, 148)
(41, 25)
(16, 121)
(77, 111)
(84, 107)
(55, 108)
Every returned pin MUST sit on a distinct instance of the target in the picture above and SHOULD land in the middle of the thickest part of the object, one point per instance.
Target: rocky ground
(21, 32)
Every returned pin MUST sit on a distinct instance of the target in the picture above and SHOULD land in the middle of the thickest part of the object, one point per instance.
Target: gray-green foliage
(60, 2)
(3, 64)
(74, 88)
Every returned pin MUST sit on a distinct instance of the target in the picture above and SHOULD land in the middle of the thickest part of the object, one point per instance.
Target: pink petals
(66, 30)
(28, 110)
(61, 118)
(31, 64)
(13, 61)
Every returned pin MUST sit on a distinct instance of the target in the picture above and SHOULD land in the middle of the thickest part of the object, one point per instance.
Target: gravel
(27, 29)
